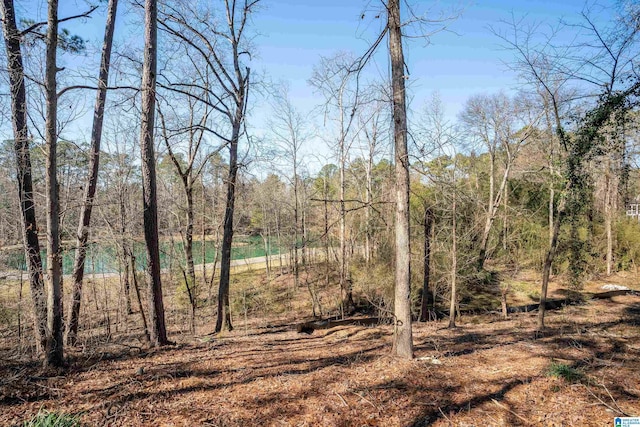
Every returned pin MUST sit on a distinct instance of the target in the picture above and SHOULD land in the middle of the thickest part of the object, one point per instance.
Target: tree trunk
(403, 340)
(224, 316)
(23, 162)
(608, 218)
(188, 252)
(494, 205)
(504, 292)
(296, 215)
(92, 178)
(54, 345)
(203, 247)
(551, 253)
(454, 262)
(426, 295)
(132, 260)
(157, 332)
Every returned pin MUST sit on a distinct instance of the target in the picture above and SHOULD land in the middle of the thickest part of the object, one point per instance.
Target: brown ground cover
(487, 372)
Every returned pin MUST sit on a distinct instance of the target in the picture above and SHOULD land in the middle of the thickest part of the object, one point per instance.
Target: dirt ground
(486, 372)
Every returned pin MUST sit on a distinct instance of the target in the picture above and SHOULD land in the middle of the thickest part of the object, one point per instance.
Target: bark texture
(23, 168)
(54, 343)
(157, 330)
(403, 339)
(92, 178)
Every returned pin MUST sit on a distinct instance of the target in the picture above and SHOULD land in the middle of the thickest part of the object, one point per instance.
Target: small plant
(45, 418)
(566, 372)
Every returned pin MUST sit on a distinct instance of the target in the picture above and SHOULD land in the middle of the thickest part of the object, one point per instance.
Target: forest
(181, 243)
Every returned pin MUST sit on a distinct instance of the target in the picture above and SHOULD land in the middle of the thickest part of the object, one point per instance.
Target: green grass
(45, 418)
(566, 372)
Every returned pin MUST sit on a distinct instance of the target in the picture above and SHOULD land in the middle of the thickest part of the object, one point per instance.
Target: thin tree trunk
(426, 295)
(494, 205)
(23, 165)
(504, 291)
(454, 263)
(158, 332)
(54, 345)
(224, 316)
(608, 218)
(296, 272)
(188, 244)
(203, 245)
(505, 221)
(126, 283)
(403, 339)
(92, 178)
(132, 260)
(551, 253)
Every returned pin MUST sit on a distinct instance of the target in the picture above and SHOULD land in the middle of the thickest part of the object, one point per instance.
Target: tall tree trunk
(551, 253)
(23, 162)
(296, 219)
(345, 288)
(203, 245)
(54, 345)
(157, 332)
(454, 262)
(427, 299)
(492, 211)
(224, 316)
(368, 200)
(608, 217)
(505, 218)
(188, 251)
(125, 246)
(92, 177)
(403, 339)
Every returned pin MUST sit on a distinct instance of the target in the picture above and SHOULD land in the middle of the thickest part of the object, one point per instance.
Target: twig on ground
(526, 421)
(342, 398)
(445, 417)
(366, 400)
(616, 409)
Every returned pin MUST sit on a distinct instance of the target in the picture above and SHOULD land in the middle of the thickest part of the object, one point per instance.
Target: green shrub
(628, 244)
(45, 418)
(566, 372)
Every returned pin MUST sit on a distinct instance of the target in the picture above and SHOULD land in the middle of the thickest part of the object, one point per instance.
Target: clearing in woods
(583, 371)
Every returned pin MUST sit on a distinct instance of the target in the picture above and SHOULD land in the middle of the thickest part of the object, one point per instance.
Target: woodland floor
(486, 372)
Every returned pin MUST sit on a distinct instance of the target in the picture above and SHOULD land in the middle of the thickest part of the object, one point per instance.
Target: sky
(463, 60)
(290, 36)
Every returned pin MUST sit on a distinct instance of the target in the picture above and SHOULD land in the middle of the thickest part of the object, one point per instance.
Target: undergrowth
(45, 418)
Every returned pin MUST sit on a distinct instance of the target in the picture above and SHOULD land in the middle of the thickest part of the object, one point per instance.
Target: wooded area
(178, 241)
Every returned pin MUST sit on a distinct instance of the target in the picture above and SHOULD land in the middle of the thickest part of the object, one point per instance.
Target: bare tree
(500, 124)
(600, 65)
(403, 337)
(189, 175)
(336, 81)
(54, 345)
(223, 48)
(454, 253)
(288, 128)
(13, 47)
(158, 332)
(92, 178)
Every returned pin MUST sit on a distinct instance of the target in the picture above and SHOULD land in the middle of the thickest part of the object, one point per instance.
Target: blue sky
(291, 35)
(458, 63)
